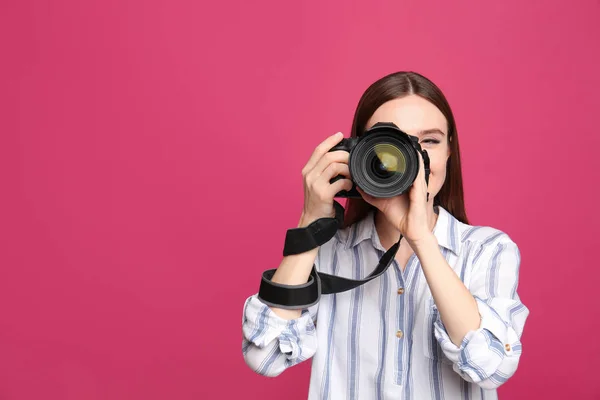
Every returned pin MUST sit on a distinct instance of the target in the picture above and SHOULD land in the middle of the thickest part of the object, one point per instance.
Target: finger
(328, 159)
(335, 187)
(323, 148)
(334, 169)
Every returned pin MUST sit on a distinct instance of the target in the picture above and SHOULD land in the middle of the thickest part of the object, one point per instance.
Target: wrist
(305, 220)
(423, 244)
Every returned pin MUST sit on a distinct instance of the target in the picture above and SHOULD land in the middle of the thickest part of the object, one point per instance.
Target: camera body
(384, 161)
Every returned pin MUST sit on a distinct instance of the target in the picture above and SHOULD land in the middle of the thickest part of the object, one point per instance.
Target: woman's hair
(401, 84)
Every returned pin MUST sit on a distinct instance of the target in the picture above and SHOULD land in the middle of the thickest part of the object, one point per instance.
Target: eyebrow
(435, 130)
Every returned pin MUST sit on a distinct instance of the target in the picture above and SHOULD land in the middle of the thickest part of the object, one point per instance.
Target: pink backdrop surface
(150, 155)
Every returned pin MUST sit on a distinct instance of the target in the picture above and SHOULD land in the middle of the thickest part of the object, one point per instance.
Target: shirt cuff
(481, 351)
(261, 326)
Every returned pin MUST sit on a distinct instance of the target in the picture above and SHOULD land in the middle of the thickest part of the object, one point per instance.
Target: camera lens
(384, 163)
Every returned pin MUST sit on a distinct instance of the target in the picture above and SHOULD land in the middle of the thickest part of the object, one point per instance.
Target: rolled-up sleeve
(272, 344)
(489, 356)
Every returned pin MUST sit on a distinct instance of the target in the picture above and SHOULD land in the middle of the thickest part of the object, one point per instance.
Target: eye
(430, 141)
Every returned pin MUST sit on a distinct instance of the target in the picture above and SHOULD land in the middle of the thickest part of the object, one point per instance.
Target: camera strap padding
(300, 240)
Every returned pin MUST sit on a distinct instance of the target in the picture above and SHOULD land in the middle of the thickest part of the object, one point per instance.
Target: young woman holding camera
(444, 321)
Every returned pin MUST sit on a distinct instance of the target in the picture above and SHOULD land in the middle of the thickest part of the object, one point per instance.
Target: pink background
(150, 154)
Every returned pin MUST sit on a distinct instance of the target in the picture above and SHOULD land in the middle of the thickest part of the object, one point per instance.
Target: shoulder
(485, 242)
(463, 238)
(481, 235)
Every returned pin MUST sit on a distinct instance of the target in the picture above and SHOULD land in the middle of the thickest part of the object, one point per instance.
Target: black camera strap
(300, 240)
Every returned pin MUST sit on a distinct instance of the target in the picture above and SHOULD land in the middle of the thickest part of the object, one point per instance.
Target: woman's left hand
(407, 212)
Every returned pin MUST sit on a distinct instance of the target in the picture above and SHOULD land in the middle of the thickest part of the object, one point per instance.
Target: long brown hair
(393, 86)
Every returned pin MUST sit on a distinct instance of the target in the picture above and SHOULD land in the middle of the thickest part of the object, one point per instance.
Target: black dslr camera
(384, 161)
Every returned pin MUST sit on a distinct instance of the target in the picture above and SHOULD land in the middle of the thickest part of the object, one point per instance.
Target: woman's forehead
(412, 114)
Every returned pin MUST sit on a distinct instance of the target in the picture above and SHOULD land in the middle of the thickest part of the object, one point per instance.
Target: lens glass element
(389, 160)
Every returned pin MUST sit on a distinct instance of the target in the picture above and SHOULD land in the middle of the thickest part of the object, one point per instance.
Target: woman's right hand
(323, 166)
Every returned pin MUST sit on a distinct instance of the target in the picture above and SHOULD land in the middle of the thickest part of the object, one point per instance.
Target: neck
(389, 234)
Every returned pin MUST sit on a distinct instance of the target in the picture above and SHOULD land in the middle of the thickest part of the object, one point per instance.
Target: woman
(443, 322)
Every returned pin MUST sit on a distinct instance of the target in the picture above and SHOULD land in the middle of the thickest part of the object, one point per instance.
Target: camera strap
(300, 240)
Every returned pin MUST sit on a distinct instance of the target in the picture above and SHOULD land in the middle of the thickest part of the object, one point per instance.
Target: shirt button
(399, 334)
(507, 347)
(401, 291)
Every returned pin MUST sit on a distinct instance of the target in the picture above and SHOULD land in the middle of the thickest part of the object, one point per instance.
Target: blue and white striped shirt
(385, 339)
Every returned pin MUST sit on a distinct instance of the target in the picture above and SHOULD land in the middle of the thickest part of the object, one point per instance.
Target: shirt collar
(446, 231)
(363, 230)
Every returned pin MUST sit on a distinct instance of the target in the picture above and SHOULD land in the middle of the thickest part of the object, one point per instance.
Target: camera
(384, 161)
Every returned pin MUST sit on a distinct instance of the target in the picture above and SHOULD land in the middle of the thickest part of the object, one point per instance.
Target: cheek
(438, 167)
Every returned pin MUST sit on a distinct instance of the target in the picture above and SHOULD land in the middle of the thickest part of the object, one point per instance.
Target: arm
(274, 338)
(479, 329)
(456, 304)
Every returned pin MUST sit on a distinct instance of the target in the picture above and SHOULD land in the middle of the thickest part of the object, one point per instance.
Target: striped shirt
(385, 339)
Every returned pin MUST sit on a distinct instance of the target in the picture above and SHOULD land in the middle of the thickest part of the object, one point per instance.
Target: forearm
(457, 306)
